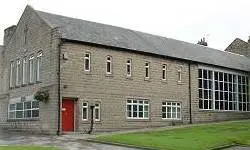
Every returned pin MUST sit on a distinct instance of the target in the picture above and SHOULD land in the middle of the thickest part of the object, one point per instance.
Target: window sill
(169, 119)
(88, 122)
(180, 82)
(137, 120)
(109, 75)
(87, 72)
(28, 119)
(163, 81)
(222, 111)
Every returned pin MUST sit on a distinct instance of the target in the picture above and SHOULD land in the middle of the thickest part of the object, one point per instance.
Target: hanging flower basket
(42, 96)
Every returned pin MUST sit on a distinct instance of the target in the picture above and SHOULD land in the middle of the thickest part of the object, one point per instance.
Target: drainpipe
(59, 89)
(190, 96)
(92, 119)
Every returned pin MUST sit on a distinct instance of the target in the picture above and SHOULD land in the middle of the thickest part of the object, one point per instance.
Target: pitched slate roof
(92, 32)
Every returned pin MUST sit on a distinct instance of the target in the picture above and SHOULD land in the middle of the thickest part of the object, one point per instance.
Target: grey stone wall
(40, 37)
(113, 90)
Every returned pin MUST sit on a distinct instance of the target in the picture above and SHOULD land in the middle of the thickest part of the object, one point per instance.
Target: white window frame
(12, 71)
(164, 72)
(25, 67)
(97, 107)
(137, 102)
(89, 63)
(18, 72)
(87, 110)
(129, 67)
(109, 61)
(235, 89)
(23, 110)
(171, 105)
(38, 66)
(31, 69)
(147, 70)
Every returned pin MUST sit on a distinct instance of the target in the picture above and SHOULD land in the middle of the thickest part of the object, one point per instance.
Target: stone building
(125, 79)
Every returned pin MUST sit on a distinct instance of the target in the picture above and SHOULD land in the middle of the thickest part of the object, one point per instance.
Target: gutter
(190, 92)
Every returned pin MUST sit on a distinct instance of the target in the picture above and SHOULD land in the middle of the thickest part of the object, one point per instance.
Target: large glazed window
(137, 109)
(223, 91)
(24, 110)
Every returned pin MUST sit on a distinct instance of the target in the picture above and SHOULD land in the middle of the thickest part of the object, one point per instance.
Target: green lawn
(26, 148)
(193, 138)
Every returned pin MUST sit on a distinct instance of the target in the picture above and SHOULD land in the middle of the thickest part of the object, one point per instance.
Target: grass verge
(194, 137)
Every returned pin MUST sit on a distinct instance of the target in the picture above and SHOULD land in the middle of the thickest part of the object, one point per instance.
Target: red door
(67, 115)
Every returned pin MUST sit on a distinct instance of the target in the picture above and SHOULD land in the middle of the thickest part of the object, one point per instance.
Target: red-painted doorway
(68, 115)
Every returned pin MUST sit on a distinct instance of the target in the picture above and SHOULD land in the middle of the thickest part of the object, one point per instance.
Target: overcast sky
(220, 21)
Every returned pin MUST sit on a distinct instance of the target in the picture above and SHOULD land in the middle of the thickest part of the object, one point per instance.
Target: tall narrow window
(164, 72)
(38, 63)
(97, 112)
(147, 70)
(205, 89)
(18, 73)
(31, 69)
(12, 71)
(179, 73)
(25, 70)
(87, 62)
(129, 68)
(85, 111)
(109, 65)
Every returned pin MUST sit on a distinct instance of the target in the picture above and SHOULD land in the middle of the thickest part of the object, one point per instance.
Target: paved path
(62, 142)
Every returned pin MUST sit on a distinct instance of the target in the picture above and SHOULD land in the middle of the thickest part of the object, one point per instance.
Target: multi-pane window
(243, 93)
(109, 65)
(129, 68)
(164, 72)
(171, 110)
(87, 62)
(31, 69)
(230, 91)
(137, 109)
(23, 110)
(18, 73)
(97, 112)
(25, 70)
(147, 70)
(12, 76)
(225, 90)
(85, 111)
(38, 66)
(205, 89)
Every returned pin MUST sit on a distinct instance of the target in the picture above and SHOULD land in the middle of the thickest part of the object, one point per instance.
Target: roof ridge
(120, 28)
